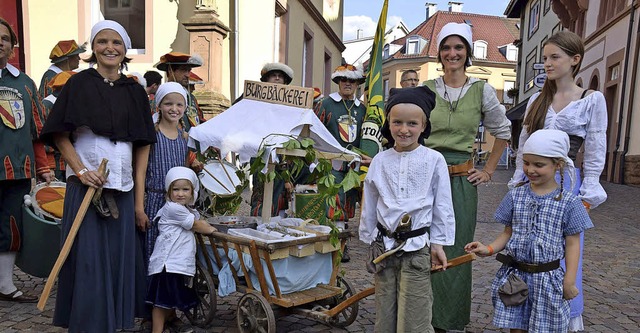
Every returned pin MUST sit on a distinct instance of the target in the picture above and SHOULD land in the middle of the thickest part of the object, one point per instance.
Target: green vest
(456, 130)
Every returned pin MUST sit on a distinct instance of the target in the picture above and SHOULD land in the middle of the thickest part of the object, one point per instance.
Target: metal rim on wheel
(203, 313)
(254, 314)
(347, 316)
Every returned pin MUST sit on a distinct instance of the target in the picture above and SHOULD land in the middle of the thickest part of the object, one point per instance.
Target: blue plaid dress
(164, 155)
(539, 225)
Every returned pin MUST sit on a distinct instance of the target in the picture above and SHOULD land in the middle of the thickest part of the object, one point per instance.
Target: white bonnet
(548, 143)
(461, 29)
(176, 173)
(115, 26)
(168, 88)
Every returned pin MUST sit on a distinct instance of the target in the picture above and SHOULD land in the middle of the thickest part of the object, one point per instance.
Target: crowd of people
(134, 256)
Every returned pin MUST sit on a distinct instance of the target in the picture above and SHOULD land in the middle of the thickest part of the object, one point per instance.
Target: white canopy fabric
(250, 124)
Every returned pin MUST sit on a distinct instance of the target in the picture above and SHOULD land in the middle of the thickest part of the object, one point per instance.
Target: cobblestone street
(611, 275)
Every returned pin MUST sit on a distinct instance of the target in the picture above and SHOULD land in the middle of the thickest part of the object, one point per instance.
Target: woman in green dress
(462, 103)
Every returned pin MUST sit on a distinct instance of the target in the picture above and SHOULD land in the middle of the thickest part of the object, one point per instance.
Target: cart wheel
(347, 316)
(255, 314)
(204, 312)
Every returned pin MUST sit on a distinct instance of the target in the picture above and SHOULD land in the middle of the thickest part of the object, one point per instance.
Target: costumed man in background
(409, 78)
(54, 157)
(282, 74)
(23, 157)
(343, 114)
(178, 67)
(154, 80)
(65, 56)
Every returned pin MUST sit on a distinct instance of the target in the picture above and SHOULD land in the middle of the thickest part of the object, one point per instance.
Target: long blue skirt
(577, 304)
(101, 286)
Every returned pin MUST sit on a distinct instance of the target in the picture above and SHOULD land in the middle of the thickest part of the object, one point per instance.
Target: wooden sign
(279, 94)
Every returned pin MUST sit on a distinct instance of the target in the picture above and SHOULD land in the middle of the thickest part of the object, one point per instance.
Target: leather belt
(402, 236)
(461, 169)
(526, 267)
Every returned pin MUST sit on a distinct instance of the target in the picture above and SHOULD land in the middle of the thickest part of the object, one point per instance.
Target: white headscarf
(461, 29)
(550, 143)
(168, 88)
(115, 26)
(176, 173)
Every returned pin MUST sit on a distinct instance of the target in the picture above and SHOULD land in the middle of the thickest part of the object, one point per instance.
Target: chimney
(358, 33)
(455, 7)
(431, 8)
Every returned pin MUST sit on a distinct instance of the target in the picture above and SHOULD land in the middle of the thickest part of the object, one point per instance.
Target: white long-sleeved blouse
(586, 118)
(415, 183)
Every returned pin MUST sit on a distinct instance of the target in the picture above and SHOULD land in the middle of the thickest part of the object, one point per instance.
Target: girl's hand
(477, 177)
(477, 248)
(197, 166)
(142, 220)
(569, 291)
(48, 176)
(365, 160)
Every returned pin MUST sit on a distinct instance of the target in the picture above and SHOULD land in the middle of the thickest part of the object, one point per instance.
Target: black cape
(118, 110)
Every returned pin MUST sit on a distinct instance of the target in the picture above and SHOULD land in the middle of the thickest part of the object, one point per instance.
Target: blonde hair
(572, 45)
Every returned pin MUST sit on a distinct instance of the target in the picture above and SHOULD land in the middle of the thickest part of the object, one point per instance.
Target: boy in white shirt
(411, 181)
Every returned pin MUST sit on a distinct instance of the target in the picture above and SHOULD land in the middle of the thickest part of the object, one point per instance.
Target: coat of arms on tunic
(348, 127)
(11, 109)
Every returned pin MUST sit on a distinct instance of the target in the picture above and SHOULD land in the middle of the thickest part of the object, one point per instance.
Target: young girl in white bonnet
(543, 223)
(173, 262)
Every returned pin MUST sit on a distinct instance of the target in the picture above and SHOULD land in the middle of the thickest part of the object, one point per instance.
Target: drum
(41, 216)
(220, 189)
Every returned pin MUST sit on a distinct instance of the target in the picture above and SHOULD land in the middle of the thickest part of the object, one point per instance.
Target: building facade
(305, 34)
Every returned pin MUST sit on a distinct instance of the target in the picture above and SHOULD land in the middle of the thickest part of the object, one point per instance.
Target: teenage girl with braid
(543, 222)
(580, 113)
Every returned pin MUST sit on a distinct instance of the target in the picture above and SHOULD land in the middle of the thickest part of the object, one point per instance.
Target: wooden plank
(214, 246)
(247, 278)
(307, 296)
(205, 253)
(272, 274)
(257, 264)
(319, 154)
(335, 261)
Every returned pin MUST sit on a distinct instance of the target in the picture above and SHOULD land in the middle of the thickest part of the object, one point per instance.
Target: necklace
(452, 107)
(349, 109)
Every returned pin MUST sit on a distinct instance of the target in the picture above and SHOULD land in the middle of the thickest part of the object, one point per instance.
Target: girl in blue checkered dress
(543, 223)
(169, 151)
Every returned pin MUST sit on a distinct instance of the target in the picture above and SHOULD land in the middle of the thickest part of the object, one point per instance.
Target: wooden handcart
(257, 309)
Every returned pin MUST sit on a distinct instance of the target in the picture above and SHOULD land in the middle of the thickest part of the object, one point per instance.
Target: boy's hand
(569, 291)
(438, 257)
(477, 248)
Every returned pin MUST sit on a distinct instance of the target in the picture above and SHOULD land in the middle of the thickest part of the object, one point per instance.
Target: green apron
(453, 135)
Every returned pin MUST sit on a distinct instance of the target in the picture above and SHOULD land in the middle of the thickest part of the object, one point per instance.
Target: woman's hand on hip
(477, 177)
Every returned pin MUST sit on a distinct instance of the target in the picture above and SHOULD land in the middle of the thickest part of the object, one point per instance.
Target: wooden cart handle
(68, 243)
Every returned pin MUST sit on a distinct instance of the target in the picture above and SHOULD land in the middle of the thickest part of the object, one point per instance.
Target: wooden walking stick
(68, 243)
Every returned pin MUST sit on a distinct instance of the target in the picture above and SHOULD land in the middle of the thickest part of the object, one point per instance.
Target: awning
(517, 112)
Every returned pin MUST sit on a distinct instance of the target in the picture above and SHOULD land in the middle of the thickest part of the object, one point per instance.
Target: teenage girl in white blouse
(582, 114)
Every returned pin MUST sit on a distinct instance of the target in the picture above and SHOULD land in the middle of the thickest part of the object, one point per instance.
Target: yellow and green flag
(371, 140)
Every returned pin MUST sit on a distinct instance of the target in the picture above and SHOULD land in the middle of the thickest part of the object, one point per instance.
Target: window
(480, 49)
(129, 13)
(557, 28)
(542, 42)
(328, 69)
(547, 6)
(534, 18)
(413, 46)
(385, 84)
(609, 10)
(307, 58)
(508, 85)
(530, 73)
(385, 51)
(512, 53)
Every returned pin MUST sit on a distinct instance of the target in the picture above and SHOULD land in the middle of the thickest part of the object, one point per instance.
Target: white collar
(336, 97)
(12, 69)
(55, 69)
